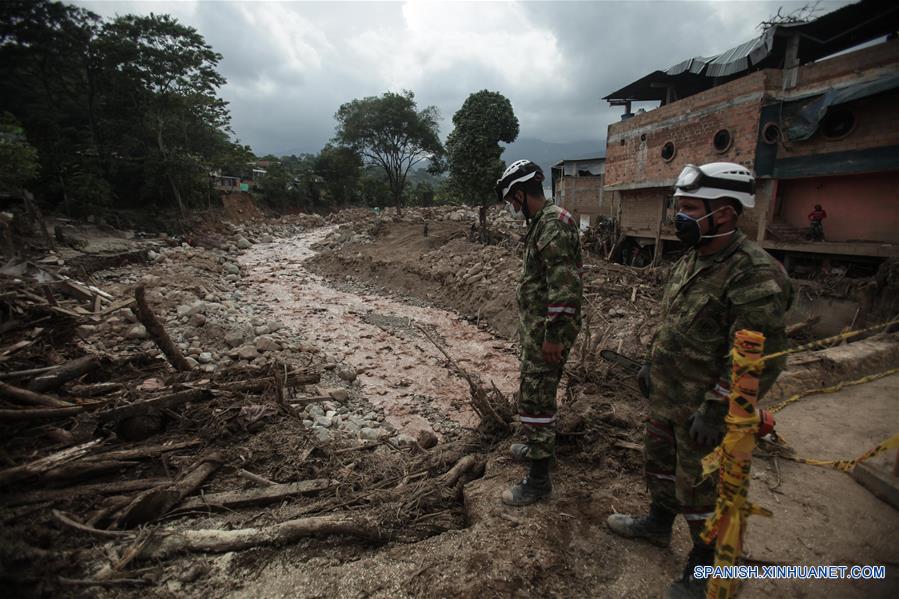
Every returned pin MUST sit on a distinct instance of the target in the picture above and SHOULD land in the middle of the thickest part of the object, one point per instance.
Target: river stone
(265, 343)
(232, 269)
(338, 394)
(370, 434)
(322, 434)
(205, 357)
(247, 352)
(325, 421)
(347, 373)
(315, 410)
(138, 331)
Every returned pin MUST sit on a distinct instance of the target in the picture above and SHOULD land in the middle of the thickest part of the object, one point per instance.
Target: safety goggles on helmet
(692, 178)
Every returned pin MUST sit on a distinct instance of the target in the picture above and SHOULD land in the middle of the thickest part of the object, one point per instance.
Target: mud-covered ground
(362, 301)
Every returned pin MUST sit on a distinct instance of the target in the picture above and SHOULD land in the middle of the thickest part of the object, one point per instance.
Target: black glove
(643, 380)
(707, 425)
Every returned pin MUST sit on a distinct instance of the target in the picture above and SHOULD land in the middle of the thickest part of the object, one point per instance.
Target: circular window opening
(722, 141)
(771, 133)
(668, 151)
(643, 137)
(622, 142)
(837, 123)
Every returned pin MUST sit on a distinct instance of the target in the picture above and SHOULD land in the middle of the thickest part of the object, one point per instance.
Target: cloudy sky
(290, 65)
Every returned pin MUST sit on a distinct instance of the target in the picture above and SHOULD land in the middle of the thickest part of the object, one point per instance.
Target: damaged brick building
(812, 108)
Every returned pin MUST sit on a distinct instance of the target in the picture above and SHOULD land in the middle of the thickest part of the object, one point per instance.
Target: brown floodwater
(399, 369)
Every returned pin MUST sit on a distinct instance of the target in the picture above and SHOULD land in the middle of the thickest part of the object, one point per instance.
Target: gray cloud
(289, 66)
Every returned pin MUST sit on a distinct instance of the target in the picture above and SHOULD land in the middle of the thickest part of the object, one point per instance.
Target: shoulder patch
(566, 217)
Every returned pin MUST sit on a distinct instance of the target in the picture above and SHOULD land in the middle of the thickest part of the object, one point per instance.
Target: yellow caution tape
(832, 389)
(848, 465)
(733, 460)
(829, 340)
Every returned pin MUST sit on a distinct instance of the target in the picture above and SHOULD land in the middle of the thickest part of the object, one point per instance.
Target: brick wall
(633, 153)
(582, 195)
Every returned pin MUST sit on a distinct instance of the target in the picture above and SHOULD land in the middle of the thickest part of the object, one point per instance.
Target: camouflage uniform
(549, 308)
(707, 299)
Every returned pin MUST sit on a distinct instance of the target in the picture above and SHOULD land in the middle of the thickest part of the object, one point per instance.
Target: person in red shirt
(815, 217)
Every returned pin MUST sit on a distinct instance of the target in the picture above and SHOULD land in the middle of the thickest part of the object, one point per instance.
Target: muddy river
(398, 369)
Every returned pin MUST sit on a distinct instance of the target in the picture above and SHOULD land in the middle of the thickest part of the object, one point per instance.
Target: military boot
(688, 586)
(533, 488)
(654, 527)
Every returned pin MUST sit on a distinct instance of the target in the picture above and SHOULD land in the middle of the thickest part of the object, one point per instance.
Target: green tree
(340, 169)
(390, 132)
(18, 158)
(473, 151)
(165, 73)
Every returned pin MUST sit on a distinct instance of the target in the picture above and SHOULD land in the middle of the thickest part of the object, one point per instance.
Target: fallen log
(148, 451)
(84, 469)
(31, 397)
(157, 332)
(223, 541)
(61, 374)
(146, 406)
(95, 389)
(259, 480)
(258, 385)
(46, 463)
(263, 495)
(39, 413)
(92, 489)
(155, 503)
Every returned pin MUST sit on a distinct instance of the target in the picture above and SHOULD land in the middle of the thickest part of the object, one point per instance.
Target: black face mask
(688, 230)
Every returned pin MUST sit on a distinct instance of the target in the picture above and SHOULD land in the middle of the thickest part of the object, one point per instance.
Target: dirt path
(399, 370)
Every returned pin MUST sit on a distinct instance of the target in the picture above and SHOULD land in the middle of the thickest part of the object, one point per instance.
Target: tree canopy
(124, 110)
(473, 151)
(389, 132)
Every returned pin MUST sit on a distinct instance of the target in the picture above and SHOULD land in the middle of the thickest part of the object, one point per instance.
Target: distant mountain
(547, 153)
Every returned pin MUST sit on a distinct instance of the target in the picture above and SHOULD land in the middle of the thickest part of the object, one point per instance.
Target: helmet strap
(713, 227)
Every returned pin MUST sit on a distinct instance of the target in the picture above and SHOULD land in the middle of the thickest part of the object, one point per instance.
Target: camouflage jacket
(550, 291)
(707, 299)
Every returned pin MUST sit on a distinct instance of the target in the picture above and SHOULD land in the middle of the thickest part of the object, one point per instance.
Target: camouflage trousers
(537, 388)
(673, 466)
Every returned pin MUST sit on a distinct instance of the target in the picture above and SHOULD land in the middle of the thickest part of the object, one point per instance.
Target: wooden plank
(256, 496)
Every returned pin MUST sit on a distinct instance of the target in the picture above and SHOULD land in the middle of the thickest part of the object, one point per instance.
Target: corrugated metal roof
(838, 30)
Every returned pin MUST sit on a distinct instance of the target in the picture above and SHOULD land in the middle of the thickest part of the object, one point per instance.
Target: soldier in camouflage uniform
(723, 284)
(549, 318)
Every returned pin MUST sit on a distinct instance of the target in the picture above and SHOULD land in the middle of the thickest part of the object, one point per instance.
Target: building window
(837, 123)
(771, 133)
(722, 141)
(668, 151)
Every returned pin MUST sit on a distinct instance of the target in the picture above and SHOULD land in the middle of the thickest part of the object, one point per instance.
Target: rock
(347, 373)
(265, 344)
(153, 256)
(231, 268)
(330, 406)
(247, 352)
(138, 331)
(205, 357)
(426, 439)
(370, 434)
(338, 393)
(404, 440)
(266, 238)
(198, 320)
(322, 434)
(85, 330)
(235, 338)
(261, 329)
(325, 421)
(149, 281)
(243, 243)
(191, 309)
(314, 410)
(274, 326)
(193, 363)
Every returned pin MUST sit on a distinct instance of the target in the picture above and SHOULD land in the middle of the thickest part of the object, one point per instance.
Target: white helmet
(717, 180)
(518, 172)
